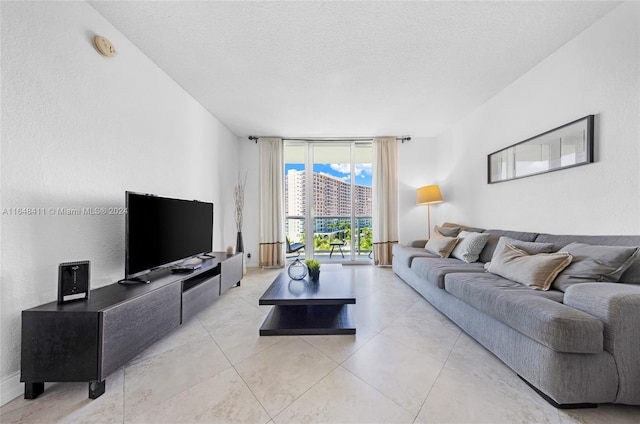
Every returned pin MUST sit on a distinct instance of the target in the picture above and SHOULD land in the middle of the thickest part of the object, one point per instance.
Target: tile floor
(407, 364)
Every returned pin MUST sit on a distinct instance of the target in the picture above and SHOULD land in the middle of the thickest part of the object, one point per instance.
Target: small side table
(337, 244)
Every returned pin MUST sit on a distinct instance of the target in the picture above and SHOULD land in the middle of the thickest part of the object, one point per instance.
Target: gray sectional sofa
(576, 348)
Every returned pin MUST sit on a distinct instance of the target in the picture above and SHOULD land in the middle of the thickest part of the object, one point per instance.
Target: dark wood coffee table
(302, 307)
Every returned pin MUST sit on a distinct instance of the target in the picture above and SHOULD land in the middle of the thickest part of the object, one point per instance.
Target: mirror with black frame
(563, 147)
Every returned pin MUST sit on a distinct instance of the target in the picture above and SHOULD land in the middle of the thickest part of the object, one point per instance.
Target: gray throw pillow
(592, 263)
(462, 227)
(447, 231)
(535, 271)
(530, 247)
(441, 246)
(470, 245)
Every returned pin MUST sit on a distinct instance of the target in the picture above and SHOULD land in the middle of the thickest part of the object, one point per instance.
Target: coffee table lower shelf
(308, 320)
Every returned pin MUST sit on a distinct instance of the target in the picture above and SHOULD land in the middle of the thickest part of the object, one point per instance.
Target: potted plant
(314, 269)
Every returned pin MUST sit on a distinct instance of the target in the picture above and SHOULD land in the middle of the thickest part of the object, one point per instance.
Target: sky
(338, 170)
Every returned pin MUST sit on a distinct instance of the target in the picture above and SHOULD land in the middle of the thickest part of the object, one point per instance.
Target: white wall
(417, 167)
(595, 73)
(77, 131)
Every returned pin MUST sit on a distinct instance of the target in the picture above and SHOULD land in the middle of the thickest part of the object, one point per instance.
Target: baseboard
(10, 388)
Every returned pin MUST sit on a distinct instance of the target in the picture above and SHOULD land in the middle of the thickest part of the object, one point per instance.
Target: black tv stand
(87, 340)
(183, 270)
(136, 280)
(145, 278)
(206, 256)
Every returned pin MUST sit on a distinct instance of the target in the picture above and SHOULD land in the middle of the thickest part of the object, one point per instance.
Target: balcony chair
(293, 247)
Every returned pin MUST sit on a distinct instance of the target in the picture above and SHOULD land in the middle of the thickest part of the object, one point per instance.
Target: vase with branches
(239, 203)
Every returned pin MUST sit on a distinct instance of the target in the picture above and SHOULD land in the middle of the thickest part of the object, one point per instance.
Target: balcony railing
(332, 236)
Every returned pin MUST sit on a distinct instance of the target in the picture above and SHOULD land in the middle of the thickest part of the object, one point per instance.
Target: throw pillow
(462, 227)
(470, 245)
(530, 247)
(447, 231)
(593, 263)
(441, 246)
(535, 271)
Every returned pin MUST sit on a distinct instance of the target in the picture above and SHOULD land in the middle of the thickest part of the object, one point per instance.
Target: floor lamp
(426, 196)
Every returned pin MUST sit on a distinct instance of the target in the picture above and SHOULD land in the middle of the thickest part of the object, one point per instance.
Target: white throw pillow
(470, 245)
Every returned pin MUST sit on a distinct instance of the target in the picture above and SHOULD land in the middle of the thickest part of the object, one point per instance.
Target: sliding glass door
(295, 205)
(328, 200)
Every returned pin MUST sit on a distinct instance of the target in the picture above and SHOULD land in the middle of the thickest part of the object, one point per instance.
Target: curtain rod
(401, 139)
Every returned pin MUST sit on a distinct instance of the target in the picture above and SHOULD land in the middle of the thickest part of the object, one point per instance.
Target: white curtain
(385, 198)
(271, 253)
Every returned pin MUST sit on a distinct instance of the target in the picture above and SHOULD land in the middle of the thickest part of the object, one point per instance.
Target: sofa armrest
(418, 243)
(618, 306)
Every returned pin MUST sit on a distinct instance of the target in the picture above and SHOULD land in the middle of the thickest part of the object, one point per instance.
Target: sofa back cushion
(494, 237)
(630, 276)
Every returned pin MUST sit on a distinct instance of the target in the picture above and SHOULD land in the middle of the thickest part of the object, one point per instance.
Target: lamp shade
(428, 194)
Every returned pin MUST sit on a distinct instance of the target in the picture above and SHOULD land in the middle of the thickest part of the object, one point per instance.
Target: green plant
(312, 264)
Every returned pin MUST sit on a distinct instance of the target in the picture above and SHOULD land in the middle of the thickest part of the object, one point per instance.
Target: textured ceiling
(318, 69)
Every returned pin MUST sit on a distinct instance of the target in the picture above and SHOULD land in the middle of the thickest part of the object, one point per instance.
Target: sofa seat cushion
(434, 269)
(405, 254)
(539, 315)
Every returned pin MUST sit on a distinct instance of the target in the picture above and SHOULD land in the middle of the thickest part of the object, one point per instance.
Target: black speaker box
(73, 281)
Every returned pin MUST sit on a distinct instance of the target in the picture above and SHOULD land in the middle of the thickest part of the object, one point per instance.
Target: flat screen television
(162, 231)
